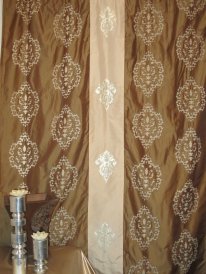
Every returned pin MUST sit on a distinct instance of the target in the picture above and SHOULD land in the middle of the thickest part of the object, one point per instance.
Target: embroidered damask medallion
(63, 178)
(65, 127)
(188, 150)
(184, 251)
(23, 154)
(66, 76)
(27, 8)
(190, 48)
(147, 125)
(104, 236)
(62, 228)
(25, 104)
(106, 163)
(191, 7)
(107, 21)
(185, 201)
(42, 216)
(143, 267)
(148, 74)
(144, 228)
(26, 52)
(106, 92)
(148, 24)
(146, 177)
(67, 25)
(191, 99)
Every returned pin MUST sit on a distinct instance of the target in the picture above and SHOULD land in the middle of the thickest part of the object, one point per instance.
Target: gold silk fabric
(103, 105)
(44, 110)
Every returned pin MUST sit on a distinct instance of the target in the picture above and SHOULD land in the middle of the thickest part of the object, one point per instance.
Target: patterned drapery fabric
(103, 106)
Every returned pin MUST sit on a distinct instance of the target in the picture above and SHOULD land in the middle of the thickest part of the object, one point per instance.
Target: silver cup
(40, 250)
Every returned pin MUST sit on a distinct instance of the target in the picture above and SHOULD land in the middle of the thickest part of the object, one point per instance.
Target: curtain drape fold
(103, 107)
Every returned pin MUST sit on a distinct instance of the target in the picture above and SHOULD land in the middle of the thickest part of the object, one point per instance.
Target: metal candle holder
(18, 235)
(40, 250)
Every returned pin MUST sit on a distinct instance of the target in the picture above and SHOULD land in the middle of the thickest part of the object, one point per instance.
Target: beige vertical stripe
(106, 133)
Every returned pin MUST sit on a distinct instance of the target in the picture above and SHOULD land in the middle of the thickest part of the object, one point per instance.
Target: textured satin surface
(62, 260)
(106, 133)
(50, 104)
(162, 151)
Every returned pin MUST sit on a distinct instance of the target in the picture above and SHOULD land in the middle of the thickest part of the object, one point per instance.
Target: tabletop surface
(62, 260)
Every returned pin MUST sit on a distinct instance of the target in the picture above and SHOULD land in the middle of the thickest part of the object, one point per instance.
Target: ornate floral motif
(27, 8)
(63, 178)
(25, 104)
(42, 217)
(66, 76)
(143, 266)
(149, 23)
(144, 228)
(62, 228)
(146, 177)
(147, 125)
(106, 163)
(26, 52)
(107, 21)
(185, 201)
(148, 74)
(106, 92)
(65, 127)
(188, 150)
(190, 48)
(191, 99)
(191, 7)
(104, 236)
(67, 25)
(23, 154)
(184, 251)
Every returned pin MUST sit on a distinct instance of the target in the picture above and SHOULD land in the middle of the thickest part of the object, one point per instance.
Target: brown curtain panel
(103, 106)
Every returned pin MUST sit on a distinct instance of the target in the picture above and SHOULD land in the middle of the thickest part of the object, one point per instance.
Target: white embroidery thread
(62, 228)
(106, 92)
(147, 125)
(191, 7)
(107, 21)
(66, 76)
(188, 150)
(191, 99)
(106, 163)
(184, 251)
(26, 52)
(190, 48)
(23, 154)
(144, 228)
(25, 104)
(67, 25)
(104, 236)
(149, 23)
(27, 8)
(185, 201)
(65, 127)
(146, 177)
(144, 267)
(63, 178)
(148, 74)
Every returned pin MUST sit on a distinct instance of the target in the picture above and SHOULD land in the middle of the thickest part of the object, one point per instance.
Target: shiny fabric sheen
(162, 151)
(51, 103)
